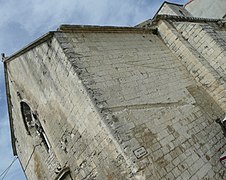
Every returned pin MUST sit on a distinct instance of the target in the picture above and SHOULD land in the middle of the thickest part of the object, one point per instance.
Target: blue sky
(22, 21)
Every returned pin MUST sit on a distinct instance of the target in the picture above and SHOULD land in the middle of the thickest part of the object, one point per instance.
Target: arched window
(26, 115)
(33, 125)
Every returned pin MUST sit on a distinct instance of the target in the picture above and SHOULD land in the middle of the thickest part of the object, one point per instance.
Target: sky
(22, 21)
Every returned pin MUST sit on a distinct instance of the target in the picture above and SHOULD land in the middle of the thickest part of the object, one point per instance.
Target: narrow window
(26, 115)
(41, 133)
(33, 125)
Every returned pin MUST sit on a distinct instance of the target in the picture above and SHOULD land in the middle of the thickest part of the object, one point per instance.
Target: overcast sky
(22, 21)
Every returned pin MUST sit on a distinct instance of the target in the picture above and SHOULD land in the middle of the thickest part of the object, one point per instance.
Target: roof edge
(30, 46)
(96, 29)
(166, 2)
(153, 22)
(186, 18)
(9, 104)
(78, 28)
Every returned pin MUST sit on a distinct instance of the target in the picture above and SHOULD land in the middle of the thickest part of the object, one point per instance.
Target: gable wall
(78, 138)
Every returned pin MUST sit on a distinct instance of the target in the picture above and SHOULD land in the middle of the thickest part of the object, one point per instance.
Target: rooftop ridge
(95, 28)
(166, 2)
(186, 18)
(29, 46)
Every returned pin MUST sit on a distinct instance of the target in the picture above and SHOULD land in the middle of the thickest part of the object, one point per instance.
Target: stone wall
(48, 83)
(122, 105)
(173, 9)
(190, 44)
(207, 8)
(153, 102)
(207, 41)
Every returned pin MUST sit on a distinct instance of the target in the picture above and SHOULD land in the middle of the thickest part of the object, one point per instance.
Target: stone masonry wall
(207, 8)
(120, 105)
(207, 41)
(222, 33)
(150, 103)
(78, 138)
(172, 9)
(201, 65)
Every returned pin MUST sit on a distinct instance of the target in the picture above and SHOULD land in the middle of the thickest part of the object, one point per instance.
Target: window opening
(42, 135)
(26, 115)
(33, 125)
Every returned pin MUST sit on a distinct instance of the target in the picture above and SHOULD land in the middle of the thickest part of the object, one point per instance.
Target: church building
(117, 103)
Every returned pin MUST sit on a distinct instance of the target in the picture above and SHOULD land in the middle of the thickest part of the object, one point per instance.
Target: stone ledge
(152, 22)
(29, 46)
(101, 29)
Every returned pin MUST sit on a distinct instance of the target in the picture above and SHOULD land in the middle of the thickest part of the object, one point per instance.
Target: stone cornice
(151, 23)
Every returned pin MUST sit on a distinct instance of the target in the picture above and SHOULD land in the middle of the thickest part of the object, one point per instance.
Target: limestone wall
(173, 9)
(189, 45)
(207, 8)
(78, 138)
(122, 105)
(152, 104)
(207, 41)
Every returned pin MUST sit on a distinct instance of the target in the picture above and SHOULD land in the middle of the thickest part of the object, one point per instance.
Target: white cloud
(39, 14)
(23, 21)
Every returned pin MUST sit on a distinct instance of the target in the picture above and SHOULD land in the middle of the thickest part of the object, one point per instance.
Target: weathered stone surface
(122, 103)
(207, 8)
